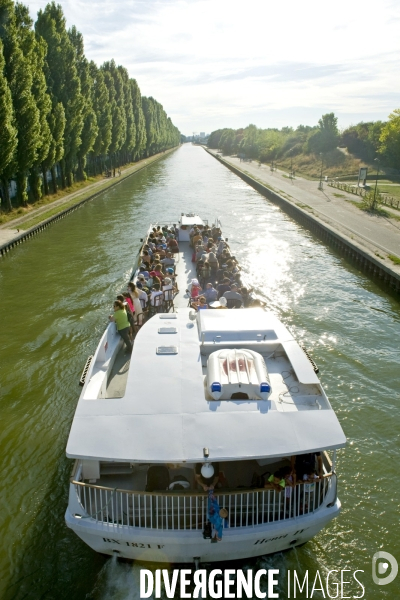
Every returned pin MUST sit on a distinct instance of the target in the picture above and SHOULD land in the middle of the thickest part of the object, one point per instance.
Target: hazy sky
(225, 63)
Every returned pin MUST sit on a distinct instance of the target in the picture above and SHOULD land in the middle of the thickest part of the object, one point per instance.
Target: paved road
(376, 233)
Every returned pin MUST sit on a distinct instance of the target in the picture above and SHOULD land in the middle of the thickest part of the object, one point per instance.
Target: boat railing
(188, 511)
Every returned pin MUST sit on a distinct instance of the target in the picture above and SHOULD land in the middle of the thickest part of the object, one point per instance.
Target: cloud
(214, 64)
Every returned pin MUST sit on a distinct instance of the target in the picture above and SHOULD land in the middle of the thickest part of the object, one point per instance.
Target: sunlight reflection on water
(74, 270)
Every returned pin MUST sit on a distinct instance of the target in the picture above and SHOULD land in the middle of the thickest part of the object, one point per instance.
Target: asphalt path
(376, 233)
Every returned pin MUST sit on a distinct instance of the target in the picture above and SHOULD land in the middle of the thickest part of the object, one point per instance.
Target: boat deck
(185, 272)
(235, 475)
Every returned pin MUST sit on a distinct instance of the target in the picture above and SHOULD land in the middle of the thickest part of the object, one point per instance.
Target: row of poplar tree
(57, 108)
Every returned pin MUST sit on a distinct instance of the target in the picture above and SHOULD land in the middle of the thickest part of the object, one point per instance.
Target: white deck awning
(165, 416)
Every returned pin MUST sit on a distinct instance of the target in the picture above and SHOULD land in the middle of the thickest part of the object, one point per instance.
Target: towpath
(378, 234)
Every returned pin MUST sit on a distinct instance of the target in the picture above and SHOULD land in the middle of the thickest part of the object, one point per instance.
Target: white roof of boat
(165, 417)
(191, 219)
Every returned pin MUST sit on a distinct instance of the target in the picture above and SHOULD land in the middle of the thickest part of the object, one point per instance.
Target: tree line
(367, 141)
(61, 113)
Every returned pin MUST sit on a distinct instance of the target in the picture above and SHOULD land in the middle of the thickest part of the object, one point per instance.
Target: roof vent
(167, 350)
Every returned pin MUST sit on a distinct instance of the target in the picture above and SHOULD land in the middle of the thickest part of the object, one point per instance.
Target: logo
(384, 563)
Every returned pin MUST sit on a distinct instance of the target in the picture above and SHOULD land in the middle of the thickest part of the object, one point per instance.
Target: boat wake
(117, 581)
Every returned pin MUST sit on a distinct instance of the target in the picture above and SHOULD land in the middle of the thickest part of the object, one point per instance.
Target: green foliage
(362, 140)
(390, 140)
(326, 137)
(227, 141)
(35, 50)
(160, 131)
(19, 73)
(57, 109)
(102, 109)
(394, 259)
(63, 81)
(9, 140)
(90, 128)
(140, 121)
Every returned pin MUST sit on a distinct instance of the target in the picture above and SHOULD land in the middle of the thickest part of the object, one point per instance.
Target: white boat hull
(184, 546)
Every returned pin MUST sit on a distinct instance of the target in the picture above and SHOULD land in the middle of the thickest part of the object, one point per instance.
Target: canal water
(56, 292)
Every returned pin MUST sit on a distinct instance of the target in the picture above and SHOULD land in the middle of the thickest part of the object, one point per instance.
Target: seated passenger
(195, 289)
(210, 293)
(142, 295)
(207, 475)
(212, 260)
(246, 296)
(140, 281)
(199, 252)
(168, 285)
(223, 287)
(168, 260)
(233, 297)
(173, 245)
(221, 273)
(199, 304)
(196, 237)
(155, 292)
(206, 270)
(221, 247)
(146, 257)
(158, 271)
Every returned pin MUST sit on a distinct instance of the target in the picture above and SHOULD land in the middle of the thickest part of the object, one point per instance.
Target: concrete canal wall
(364, 259)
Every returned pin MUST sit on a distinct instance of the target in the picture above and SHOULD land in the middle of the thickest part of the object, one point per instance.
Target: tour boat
(223, 387)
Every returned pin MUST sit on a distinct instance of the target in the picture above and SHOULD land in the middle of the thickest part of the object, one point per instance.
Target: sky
(220, 63)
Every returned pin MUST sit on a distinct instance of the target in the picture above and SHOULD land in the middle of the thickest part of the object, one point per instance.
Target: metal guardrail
(172, 511)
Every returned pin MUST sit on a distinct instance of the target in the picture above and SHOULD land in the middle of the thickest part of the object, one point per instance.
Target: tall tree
(326, 137)
(90, 128)
(34, 49)
(18, 71)
(114, 85)
(390, 140)
(63, 82)
(9, 140)
(130, 140)
(102, 108)
(140, 121)
(151, 126)
(56, 121)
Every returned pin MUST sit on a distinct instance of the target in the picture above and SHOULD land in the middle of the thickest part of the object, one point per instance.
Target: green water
(56, 292)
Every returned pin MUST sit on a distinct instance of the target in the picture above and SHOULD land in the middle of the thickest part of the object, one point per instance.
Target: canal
(56, 292)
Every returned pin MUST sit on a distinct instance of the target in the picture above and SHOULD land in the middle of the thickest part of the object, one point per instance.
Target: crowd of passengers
(304, 470)
(156, 278)
(218, 283)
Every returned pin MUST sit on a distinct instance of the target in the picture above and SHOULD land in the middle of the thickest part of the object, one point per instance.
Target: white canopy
(166, 417)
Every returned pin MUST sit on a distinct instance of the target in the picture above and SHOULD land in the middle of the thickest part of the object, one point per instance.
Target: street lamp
(321, 187)
(291, 163)
(376, 183)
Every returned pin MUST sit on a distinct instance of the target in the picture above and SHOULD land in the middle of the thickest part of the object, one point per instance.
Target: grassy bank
(334, 164)
(20, 211)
